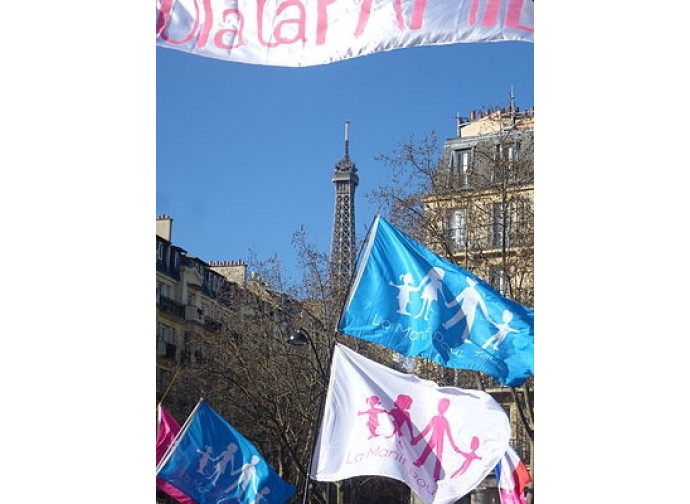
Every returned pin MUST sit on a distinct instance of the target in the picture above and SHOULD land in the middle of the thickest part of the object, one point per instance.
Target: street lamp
(301, 338)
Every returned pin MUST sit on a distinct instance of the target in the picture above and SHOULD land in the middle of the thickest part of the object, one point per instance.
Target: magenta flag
(167, 430)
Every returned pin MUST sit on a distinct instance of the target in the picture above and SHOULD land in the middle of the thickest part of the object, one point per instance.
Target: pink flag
(167, 430)
(512, 478)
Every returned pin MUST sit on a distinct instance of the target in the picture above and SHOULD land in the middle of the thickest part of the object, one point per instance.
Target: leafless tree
(494, 192)
(270, 391)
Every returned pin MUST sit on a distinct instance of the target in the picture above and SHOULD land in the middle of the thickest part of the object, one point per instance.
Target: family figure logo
(245, 476)
(438, 429)
(411, 300)
(440, 441)
(212, 462)
(468, 301)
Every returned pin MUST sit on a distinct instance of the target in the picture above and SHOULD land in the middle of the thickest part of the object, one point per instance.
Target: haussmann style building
(483, 209)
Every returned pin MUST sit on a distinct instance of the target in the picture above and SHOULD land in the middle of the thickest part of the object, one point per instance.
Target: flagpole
(178, 437)
(167, 389)
(317, 427)
(354, 277)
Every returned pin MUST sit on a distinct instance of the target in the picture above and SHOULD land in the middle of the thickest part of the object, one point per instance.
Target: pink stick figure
(401, 416)
(469, 457)
(439, 427)
(373, 412)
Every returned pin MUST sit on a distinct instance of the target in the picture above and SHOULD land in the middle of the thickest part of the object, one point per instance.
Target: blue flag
(413, 301)
(213, 464)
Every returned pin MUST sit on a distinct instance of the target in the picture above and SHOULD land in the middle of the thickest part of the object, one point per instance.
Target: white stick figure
(431, 290)
(203, 460)
(247, 475)
(226, 457)
(469, 299)
(260, 496)
(404, 291)
(503, 330)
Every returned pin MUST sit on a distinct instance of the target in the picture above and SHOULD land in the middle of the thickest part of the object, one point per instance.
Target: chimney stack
(164, 227)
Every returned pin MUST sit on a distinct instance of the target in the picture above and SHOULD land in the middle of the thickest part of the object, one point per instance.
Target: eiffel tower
(343, 253)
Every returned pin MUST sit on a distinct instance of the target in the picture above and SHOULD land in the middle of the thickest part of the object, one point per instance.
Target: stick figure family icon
(244, 478)
(438, 428)
(468, 301)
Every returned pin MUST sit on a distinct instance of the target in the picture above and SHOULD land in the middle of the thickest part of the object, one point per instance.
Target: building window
(165, 345)
(495, 173)
(513, 161)
(212, 282)
(501, 221)
(523, 223)
(497, 279)
(457, 227)
(165, 333)
(514, 151)
(461, 165)
(164, 290)
(160, 251)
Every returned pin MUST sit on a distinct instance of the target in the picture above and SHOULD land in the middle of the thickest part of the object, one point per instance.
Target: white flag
(440, 441)
(297, 33)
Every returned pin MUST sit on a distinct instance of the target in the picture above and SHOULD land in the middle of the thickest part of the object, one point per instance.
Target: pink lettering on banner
(418, 8)
(398, 14)
(163, 17)
(363, 17)
(423, 484)
(492, 9)
(491, 12)
(513, 16)
(200, 26)
(322, 20)
(206, 27)
(280, 39)
(218, 39)
(473, 12)
(164, 20)
(300, 23)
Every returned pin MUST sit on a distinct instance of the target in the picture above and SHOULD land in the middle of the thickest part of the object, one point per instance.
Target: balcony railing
(166, 349)
(194, 314)
(170, 306)
(523, 449)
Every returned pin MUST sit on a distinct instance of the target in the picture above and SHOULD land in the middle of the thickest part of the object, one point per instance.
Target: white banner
(440, 441)
(295, 33)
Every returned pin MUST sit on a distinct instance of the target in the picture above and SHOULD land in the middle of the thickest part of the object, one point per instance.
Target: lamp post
(301, 338)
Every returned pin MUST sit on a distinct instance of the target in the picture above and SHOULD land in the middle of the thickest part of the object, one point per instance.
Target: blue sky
(245, 153)
(85, 113)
